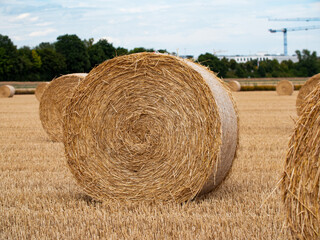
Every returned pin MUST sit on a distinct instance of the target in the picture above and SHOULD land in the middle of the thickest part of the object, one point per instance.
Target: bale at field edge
(40, 89)
(24, 91)
(7, 91)
(53, 102)
(285, 87)
(234, 86)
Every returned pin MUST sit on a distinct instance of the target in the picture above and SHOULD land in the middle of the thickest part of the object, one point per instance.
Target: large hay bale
(53, 102)
(285, 87)
(305, 90)
(6, 91)
(40, 89)
(301, 182)
(150, 127)
(234, 86)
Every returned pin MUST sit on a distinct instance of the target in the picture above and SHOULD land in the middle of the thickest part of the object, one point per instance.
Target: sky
(189, 27)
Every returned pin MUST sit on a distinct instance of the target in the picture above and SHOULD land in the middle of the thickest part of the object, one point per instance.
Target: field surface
(39, 198)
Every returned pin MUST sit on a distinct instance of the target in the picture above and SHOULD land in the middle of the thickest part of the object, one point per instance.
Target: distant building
(259, 57)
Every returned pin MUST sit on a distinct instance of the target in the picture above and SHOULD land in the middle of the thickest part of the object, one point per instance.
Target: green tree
(233, 64)
(274, 67)
(141, 49)
(8, 59)
(224, 67)
(96, 55)
(108, 48)
(45, 45)
(100, 51)
(88, 43)
(25, 64)
(163, 51)
(241, 71)
(219, 66)
(29, 64)
(269, 68)
(250, 67)
(120, 51)
(261, 71)
(75, 53)
(53, 64)
(36, 59)
(308, 63)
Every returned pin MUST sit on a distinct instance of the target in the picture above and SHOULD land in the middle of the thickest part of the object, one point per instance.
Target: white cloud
(33, 19)
(42, 33)
(43, 24)
(23, 16)
(17, 38)
(150, 8)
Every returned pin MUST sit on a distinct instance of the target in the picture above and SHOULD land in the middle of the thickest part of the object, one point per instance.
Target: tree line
(70, 54)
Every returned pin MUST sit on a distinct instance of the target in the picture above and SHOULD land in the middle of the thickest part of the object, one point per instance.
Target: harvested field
(40, 199)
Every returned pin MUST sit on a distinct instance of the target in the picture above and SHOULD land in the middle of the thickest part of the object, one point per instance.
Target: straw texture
(285, 87)
(301, 188)
(150, 127)
(6, 91)
(53, 102)
(40, 89)
(234, 86)
(305, 90)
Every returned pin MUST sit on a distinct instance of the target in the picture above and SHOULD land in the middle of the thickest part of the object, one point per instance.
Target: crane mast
(285, 30)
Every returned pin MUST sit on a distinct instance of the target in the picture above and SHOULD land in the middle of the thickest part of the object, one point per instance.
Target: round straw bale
(301, 181)
(40, 89)
(150, 127)
(285, 87)
(25, 91)
(234, 86)
(53, 102)
(6, 91)
(305, 90)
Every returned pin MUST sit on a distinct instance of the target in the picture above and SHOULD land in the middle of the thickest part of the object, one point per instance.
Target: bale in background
(234, 86)
(25, 91)
(40, 89)
(285, 87)
(53, 102)
(150, 127)
(301, 181)
(305, 90)
(6, 91)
